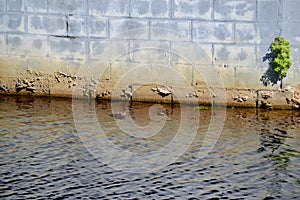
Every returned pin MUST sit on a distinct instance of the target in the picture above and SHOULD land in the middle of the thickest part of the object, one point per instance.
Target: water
(42, 156)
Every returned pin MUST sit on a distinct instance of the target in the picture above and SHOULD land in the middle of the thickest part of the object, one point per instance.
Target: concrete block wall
(233, 35)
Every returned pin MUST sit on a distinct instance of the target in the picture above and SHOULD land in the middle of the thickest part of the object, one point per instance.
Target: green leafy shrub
(282, 62)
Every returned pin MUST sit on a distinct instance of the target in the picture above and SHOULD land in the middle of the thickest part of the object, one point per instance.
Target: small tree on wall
(281, 62)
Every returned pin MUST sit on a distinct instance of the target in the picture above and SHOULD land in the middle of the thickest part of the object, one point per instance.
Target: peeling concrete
(62, 80)
(45, 44)
(46, 85)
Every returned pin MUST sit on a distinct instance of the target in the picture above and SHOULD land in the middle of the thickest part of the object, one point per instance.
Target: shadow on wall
(269, 77)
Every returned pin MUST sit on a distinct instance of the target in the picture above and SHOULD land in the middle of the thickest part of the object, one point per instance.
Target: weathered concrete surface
(49, 44)
(35, 78)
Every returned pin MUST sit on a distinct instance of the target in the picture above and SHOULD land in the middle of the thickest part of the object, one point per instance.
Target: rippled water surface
(43, 157)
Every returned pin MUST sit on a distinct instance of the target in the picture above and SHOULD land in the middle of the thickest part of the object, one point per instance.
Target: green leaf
(282, 62)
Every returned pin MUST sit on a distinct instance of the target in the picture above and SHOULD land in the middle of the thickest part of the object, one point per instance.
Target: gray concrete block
(26, 45)
(109, 50)
(67, 6)
(149, 51)
(129, 29)
(291, 10)
(191, 53)
(2, 5)
(150, 8)
(267, 32)
(212, 76)
(292, 77)
(295, 52)
(15, 5)
(121, 73)
(2, 44)
(36, 6)
(292, 32)
(234, 55)
(47, 24)
(173, 75)
(193, 9)
(109, 8)
(260, 33)
(76, 26)
(261, 52)
(12, 22)
(246, 33)
(60, 47)
(220, 76)
(243, 10)
(170, 30)
(247, 77)
(267, 10)
(218, 32)
(97, 27)
(99, 70)
(261, 72)
(184, 76)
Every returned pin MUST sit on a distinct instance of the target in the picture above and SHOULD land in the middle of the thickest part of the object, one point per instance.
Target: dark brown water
(42, 156)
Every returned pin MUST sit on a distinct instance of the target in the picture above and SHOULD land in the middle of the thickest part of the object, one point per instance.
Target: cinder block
(170, 30)
(234, 55)
(267, 10)
(295, 57)
(109, 50)
(266, 74)
(219, 75)
(98, 69)
(102, 8)
(259, 33)
(212, 76)
(215, 32)
(47, 24)
(267, 32)
(172, 75)
(36, 6)
(12, 22)
(191, 53)
(261, 53)
(2, 5)
(291, 10)
(26, 45)
(247, 77)
(150, 51)
(183, 75)
(292, 32)
(67, 6)
(15, 5)
(76, 26)
(2, 44)
(150, 8)
(292, 76)
(246, 33)
(120, 69)
(60, 47)
(193, 9)
(97, 27)
(243, 10)
(129, 29)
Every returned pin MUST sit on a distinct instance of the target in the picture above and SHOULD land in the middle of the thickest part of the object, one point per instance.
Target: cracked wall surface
(42, 39)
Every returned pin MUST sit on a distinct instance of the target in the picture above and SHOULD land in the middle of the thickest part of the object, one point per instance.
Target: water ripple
(257, 157)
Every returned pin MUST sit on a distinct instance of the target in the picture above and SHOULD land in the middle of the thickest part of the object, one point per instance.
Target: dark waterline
(42, 157)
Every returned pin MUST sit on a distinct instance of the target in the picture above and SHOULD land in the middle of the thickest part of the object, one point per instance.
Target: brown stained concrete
(61, 84)
(59, 78)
